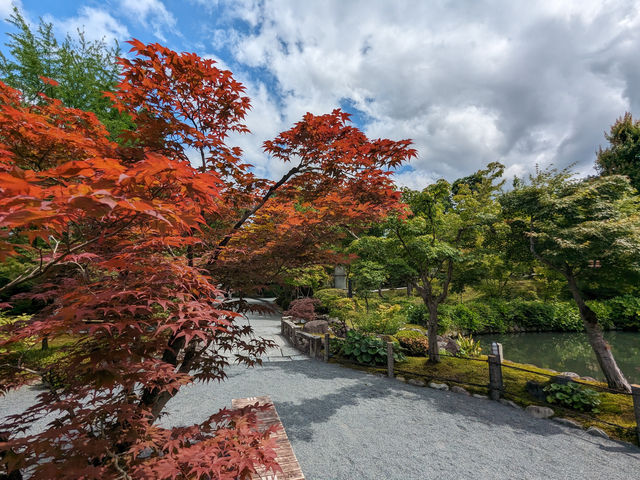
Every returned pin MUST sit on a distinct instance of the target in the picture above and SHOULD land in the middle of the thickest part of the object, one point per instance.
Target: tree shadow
(301, 417)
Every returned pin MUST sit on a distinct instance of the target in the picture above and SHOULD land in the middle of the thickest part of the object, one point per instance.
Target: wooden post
(496, 385)
(390, 359)
(326, 347)
(296, 329)
(312, 348)
(635, 392)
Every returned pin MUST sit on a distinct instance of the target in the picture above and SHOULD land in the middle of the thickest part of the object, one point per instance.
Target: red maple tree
(127, 243)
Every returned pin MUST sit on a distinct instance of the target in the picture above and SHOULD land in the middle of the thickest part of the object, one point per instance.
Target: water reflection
(569, 352)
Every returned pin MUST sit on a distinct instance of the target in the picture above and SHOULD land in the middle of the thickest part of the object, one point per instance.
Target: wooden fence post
(635, 391)
(496, 385)
(390, 359)
(326, 347)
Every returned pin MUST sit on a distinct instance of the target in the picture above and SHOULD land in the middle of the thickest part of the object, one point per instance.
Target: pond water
(568, 351)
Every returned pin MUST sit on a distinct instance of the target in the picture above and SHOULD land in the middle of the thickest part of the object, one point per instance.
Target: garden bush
(385, 320)
(623, 312)
(415, 346)
(303, 309)
(498, 315)
(329, 296)
(409, 334)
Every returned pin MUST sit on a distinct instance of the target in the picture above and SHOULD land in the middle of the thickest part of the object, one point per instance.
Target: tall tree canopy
(430, 243)
(586, 230)
(622, 156)
(123, 239)
(81, 70)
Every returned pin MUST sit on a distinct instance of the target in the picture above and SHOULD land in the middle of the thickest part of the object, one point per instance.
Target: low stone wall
(306, 343)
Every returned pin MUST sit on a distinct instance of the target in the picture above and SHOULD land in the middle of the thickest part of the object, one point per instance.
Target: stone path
(268, 326)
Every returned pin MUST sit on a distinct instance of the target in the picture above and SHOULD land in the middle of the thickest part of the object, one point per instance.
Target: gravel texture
(346, 424)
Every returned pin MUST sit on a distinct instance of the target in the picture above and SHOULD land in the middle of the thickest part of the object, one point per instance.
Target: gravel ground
(346, 424)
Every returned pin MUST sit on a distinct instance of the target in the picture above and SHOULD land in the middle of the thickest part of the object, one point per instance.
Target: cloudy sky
(520, 82)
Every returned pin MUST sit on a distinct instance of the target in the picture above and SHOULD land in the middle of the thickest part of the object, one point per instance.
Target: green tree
(368, 276)
(622, 156)
(441, 233)
(586, 230)
(82, 70)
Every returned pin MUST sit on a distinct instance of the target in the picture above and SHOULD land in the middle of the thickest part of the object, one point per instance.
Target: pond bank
(568, 351)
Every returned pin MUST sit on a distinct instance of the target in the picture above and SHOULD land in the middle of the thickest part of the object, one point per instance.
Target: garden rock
(589, 379)
(439, 386)
(452, 346)
(570, 374)
(562, 379)
(316, 326)
(477, 395)
(509, 403)
(539, 412)
(338, 328)
(567, 421)
(416, 381)
(457, 389)
(401, 378)
(596, 432)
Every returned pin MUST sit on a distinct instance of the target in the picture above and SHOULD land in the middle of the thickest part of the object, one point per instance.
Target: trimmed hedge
(495, 315)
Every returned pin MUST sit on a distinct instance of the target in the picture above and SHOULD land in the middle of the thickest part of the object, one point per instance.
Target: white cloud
(6, 7)
(150, 13)
(524, 84)
(96, 24)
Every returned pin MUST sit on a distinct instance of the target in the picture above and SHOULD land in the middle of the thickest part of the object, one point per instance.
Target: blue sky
(526, 84)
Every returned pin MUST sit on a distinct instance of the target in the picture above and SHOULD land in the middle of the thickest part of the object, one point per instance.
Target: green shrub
(409, 334)
(366, 349)
(385, 320)
(498, 315)
(573, 396)
(417, 314)
(328, 296)
(468, 347)
(624, 311)
(415, 346)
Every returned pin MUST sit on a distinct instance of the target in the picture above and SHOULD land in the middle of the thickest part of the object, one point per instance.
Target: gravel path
(345, 424)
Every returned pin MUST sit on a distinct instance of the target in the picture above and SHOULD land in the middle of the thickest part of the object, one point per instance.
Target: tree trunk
(432, 331)
(153, 397)
(409, 289)
(380, 292)
(601, 348)
(45, 343)
(366, 303)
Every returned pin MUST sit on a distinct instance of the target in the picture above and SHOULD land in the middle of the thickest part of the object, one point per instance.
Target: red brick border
(284, 453)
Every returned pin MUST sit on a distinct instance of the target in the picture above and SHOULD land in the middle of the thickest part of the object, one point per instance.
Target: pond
(568, 351)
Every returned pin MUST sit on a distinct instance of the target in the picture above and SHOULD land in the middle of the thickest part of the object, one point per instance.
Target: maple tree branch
(249, 213)
(41, 268)
(447, 281)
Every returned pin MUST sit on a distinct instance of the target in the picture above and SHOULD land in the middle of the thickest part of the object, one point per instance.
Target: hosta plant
(574, 396)
(367, 350)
